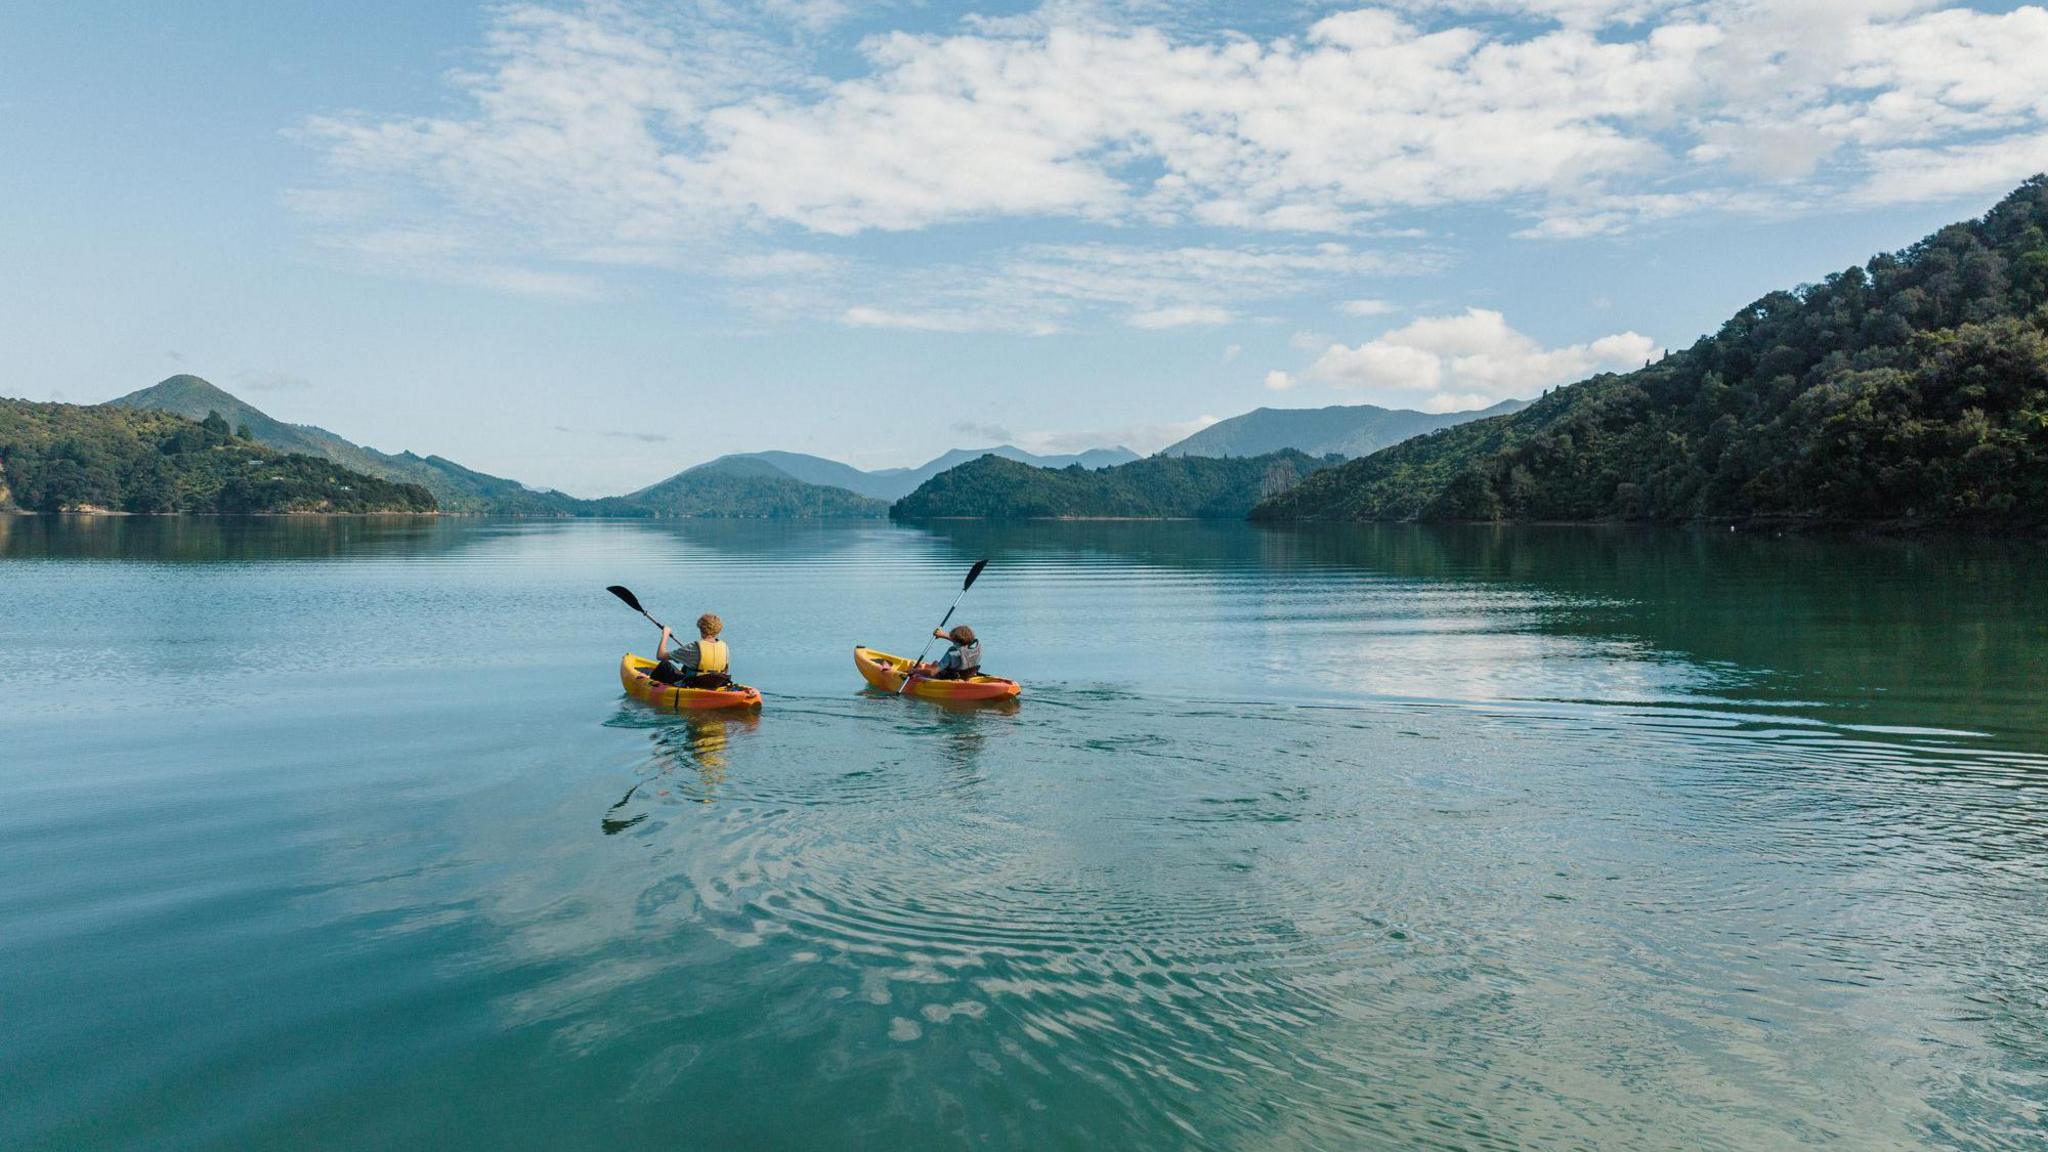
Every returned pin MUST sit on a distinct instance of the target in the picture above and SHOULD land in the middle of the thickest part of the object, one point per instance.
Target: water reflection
(201, 539)
(212, 539)
(809, 541)
(686, 745)
(1005, 706)
(1879, 630)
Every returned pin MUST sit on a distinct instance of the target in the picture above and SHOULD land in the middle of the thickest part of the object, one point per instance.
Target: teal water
(339, 834)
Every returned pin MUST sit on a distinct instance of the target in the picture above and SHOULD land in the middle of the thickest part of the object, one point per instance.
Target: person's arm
(941, 634)
(661, 649)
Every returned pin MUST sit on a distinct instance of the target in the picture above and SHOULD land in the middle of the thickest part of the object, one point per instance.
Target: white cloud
(1366, 307)
(607, 133)
(1471, 360)
(1051, 287)
(1573, 13)
(447, 258)
(1154, 278)
(808, 15)
(1179, 316)
(862, 317)
(1906, 175)
(1278, 381)
(984, 432)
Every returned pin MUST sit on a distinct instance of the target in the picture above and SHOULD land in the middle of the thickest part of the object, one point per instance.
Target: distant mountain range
(795, 484)
(741, 484)
(752, 484)
(1158, 487)
(455, 488)
(896, 483)
(737, 488)
(1343, 430)
(718, 493)
(94, 458)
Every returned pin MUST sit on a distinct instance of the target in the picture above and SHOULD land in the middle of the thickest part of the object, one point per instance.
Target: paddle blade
(626, 594)
(973, 574)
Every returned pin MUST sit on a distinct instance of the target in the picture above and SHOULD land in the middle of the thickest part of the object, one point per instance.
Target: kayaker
(962, 661)
(704, 664)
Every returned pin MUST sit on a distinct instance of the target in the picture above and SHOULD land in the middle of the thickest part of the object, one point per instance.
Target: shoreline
(1775, 526)
(117, 514)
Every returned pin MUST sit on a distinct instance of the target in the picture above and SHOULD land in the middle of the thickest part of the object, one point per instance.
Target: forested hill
(1911, 389)
(455, 488)
(896, 483)
(735, 487)
(64, 457)
(1344, 429)
(713, 490)
(1158, 487)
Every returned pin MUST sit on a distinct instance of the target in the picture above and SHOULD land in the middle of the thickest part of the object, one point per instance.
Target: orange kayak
(886, 672)
(640, 686)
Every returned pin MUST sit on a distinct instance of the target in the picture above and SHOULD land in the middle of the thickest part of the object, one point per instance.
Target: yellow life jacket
(711, 656)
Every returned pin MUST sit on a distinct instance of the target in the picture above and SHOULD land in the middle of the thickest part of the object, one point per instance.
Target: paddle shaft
(973, 574)
(909, 675)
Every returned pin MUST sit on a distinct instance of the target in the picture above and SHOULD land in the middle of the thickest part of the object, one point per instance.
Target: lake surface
(340, 834)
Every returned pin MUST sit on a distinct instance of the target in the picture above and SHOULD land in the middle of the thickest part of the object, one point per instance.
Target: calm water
(341, 835)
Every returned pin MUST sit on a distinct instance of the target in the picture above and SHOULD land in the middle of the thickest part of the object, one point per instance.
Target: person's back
(962, 660)
(707, 663)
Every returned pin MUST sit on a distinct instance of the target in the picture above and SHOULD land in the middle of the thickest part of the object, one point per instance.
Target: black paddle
(972, 574)
(633, 602)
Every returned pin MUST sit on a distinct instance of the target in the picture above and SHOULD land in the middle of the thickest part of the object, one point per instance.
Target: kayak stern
(633, 673)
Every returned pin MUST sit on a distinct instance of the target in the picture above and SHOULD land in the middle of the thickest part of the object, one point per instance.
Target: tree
(1195, 487)
(1914, 388)
(60, 457)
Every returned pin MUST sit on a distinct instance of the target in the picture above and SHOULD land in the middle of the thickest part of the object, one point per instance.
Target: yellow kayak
(886, 672)
(640, 686)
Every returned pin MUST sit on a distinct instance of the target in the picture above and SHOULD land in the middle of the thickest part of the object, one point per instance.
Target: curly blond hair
(709, 625)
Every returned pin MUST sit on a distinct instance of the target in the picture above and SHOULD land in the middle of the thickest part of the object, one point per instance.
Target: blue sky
(587, 244)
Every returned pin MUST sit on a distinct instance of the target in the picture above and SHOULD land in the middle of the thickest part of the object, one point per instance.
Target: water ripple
(1396, 840)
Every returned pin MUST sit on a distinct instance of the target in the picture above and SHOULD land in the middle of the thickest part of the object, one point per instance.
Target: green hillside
(457, 489)
(138, 458)
(1343, 429)
(66, 457)
(895, 483)
(737, 488)
(1911, 389)
(816, 470)
(473, 491)
(192, 397)
(1193, 487)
